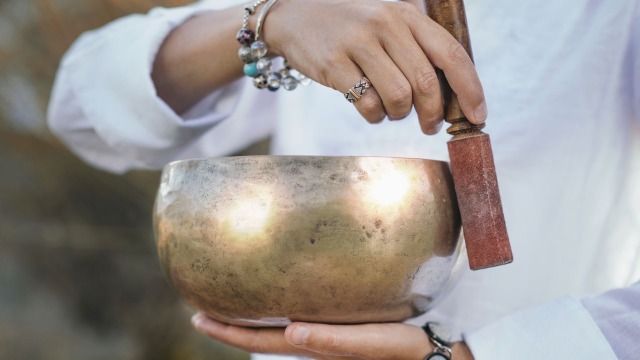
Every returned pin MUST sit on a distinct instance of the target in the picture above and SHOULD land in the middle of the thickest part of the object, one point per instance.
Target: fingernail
(480, 113)
(300, 335)
(197, 320)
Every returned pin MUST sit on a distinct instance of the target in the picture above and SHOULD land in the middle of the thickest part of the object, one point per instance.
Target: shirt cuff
(562, 329)
(123, 109)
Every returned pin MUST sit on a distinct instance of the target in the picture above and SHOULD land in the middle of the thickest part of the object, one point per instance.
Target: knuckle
(326, 74)
(401, 97)
(375, 119)
(405, 7)
(324, 68)
(433, 117)
(370, 108)
(369, 105)
(323, 77)
(396, 118)
(381, 24)
(431, 127)
(427, 82)
(254, 346)
(476, 94)
(330, 344)
(457, 53)
(391, 17)
(438, 117)
(428, 131)
(380, 16)
(360, 41)
(434, 120)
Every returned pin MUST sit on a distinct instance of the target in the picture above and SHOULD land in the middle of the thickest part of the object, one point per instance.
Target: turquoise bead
(251, 69)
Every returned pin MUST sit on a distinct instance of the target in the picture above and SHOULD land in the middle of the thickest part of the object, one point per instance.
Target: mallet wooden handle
(450, 14)
(472, 164)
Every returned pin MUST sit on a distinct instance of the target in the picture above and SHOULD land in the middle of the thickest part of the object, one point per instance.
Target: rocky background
(79, 277)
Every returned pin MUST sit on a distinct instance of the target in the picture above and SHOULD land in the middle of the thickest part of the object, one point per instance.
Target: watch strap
(442, 350)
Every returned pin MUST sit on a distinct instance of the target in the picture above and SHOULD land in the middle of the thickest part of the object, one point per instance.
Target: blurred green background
(79, 277)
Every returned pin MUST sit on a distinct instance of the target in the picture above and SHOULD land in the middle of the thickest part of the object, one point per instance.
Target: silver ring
(355, 93)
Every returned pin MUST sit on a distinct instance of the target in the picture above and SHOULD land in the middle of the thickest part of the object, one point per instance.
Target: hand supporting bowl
(263, 241)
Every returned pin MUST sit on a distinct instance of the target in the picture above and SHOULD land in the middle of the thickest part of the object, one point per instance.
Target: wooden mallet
(472, 165)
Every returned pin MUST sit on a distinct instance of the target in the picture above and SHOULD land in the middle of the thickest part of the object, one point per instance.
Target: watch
(440, 337)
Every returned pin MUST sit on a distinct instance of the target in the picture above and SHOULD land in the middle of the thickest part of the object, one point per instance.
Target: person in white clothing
(561, 81)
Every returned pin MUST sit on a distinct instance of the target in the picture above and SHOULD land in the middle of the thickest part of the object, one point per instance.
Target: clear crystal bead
(259, 49)
(289, 83)
(264, 65)
(284, 72)
(274, 81)
(244, 53)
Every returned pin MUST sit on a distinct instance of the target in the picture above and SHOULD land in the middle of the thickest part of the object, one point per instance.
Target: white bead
(304, 81)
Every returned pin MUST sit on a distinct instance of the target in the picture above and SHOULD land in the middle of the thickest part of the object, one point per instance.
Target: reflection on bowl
(263, 241)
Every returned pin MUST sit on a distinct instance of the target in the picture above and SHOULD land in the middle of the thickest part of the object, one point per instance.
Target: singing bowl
(264, 241)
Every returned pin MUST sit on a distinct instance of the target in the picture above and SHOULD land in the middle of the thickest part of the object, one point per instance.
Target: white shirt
(562, 82)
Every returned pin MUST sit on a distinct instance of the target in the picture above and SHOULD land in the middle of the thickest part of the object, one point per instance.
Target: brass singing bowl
(264, 241)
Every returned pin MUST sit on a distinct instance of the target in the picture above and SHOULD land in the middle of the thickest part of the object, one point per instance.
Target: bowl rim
(316, 157)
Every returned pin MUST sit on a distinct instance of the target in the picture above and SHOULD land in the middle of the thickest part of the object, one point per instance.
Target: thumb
(370, 341)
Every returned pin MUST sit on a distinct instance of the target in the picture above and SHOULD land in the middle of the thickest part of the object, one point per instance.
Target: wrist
(441, 346)
(274, 27)
(460, 351)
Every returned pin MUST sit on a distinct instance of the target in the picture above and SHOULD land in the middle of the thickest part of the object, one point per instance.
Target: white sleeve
(104, 104)
(602, 327)
(635, 60)
(617, 313)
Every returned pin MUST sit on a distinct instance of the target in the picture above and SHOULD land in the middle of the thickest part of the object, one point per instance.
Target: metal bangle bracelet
(262, 16)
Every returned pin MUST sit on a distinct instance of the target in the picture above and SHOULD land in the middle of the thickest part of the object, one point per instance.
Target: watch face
(440, 332)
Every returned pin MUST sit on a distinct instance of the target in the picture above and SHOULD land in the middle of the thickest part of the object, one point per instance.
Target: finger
(446, 53)
(369, 105)
(390, 83)
(261, 340)
(370, 341)
(410, 58)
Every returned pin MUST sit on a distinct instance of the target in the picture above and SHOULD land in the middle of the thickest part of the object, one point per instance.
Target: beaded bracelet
(254, 50)
(245, 36)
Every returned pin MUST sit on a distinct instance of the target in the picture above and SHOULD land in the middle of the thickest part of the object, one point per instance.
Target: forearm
(104, 104)
(197, 58)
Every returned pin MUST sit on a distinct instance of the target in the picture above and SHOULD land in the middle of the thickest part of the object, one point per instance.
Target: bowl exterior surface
(263, 241)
